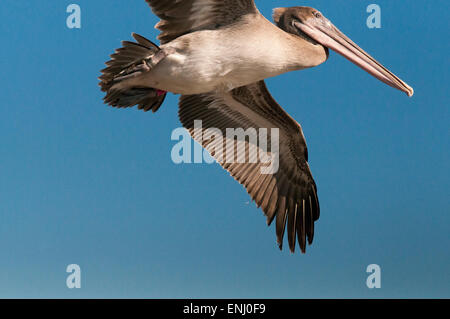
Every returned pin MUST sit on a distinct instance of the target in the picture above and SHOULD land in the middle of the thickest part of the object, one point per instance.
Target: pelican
(216, 54)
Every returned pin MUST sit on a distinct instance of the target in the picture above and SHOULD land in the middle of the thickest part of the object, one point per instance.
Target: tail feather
(132, 60)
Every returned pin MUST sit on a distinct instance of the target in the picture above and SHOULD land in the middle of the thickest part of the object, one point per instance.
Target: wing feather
(290, 193)
(179, 17)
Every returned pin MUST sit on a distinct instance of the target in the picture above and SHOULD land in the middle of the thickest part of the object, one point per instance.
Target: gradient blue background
(87, 184)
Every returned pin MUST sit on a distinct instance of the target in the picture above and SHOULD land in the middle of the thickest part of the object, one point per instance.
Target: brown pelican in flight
(216, 54)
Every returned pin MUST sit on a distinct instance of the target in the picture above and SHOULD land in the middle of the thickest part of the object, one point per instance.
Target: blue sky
(87, 184)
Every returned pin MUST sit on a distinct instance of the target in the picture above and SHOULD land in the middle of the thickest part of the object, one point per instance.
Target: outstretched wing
(289, 193)
(179, 17)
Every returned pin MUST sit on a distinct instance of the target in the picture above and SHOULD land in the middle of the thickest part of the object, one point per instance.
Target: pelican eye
(317, 15)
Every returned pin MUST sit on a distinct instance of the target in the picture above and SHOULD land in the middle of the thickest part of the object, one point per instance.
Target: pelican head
(309, 24)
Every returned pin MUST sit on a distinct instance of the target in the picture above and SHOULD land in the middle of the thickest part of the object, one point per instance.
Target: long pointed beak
(325, 33)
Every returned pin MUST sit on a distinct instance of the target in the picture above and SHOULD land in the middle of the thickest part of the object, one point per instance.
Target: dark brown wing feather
(290, 193)
(179, 17)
